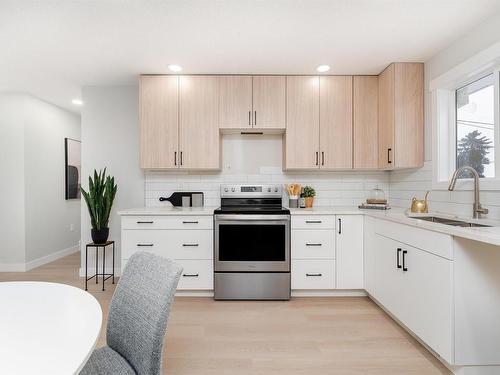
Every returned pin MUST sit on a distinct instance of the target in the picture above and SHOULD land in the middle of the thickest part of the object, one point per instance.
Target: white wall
(35, 217)
(48, 214)
(405, 184)
(110, 137)
(12, 253)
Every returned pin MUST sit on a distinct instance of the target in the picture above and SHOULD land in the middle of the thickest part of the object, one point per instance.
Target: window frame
(443, 116)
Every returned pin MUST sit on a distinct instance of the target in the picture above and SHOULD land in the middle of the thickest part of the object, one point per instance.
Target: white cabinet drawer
(174, 244)
(196, 274)
(313, 274)
(313, 222)
(313, 244)
(436, 243)
(167, 222)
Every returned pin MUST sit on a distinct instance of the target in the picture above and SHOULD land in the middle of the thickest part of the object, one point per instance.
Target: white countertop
(489, 235)
(328, 210)
(166, 211)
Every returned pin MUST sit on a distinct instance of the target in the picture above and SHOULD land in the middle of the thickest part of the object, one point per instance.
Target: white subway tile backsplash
(332, 188)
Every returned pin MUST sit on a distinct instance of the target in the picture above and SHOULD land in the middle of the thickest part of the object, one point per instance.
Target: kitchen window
(465, 119)
(475, 126)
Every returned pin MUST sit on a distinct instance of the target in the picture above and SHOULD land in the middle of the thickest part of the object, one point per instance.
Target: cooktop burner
(252, 199)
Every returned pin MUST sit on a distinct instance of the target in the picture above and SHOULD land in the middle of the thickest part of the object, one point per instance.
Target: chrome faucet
(477, 210)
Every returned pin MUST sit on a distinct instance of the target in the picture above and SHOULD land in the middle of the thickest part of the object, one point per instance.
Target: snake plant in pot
(99, 199)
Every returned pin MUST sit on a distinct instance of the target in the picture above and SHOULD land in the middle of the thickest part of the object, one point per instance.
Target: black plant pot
(99, 236)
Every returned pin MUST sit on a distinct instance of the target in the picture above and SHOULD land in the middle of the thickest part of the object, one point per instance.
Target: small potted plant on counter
(99, 199)
(309, 194)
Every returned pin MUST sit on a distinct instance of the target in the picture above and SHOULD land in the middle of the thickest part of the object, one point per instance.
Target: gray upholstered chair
(137, 318)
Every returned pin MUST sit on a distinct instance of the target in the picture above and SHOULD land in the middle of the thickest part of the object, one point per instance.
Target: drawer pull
(189, 222)
(190, 275)
(145, 245)
(145, 222)
(313, 244)
(314, 274)
(313, 221)
(190, 244)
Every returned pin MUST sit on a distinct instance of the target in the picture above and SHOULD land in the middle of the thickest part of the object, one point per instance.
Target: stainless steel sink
(455, 223)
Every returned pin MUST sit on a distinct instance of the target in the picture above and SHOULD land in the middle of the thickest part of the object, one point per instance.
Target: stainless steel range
(252, 244)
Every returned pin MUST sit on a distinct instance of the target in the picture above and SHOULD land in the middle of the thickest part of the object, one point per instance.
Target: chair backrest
(139, 311)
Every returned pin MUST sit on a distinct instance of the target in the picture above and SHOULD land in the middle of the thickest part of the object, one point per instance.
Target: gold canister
(420, 206)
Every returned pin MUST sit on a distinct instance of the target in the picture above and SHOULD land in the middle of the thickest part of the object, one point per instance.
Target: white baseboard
(23, 267)
(51, 257)
(12, 267)
(329, 293)
(194, 293)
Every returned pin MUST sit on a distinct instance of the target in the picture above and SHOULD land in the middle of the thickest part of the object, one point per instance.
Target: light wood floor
(302, 336)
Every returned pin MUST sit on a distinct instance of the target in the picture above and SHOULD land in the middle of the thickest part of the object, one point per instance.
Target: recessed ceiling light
(175, 68)
(77, 102)
(323, 68)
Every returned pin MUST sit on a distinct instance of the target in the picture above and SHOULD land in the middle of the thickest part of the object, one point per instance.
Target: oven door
(252, 243)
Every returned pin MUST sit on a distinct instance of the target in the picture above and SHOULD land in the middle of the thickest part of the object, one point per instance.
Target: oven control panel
(248, 191)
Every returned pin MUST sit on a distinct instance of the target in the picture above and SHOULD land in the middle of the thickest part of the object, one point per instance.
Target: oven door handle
(252, 218)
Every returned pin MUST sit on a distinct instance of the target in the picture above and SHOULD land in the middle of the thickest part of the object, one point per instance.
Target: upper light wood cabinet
(365, 117)
(252, 102)
(269, 101)
(199, 138)
(235, 102)
(401, 116)
(158, 107)
(302, 128)
(335, 132)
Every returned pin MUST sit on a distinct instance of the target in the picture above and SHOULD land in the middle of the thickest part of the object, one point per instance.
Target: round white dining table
(46, 328)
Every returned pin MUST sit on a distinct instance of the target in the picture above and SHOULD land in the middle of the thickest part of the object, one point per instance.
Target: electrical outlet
(71, 227)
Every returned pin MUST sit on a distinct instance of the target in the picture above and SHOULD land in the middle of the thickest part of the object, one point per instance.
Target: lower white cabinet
(188, 240)
(313, 274)
(416, 287)
(327, 252)
(349, 245)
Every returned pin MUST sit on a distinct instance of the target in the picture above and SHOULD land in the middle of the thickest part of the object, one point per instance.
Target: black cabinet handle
(317, 158)
(190, 244)
(189, 222)
(313, 244)
(190, 275)
(340, 226)
(175, 157)
(404, 260)
(255, 118)
(145, 245)
(181, 157)
(313, 221)
(389, 155)
(322, 158)
(398, 252)
(314, 274)
(249, 118)
(145, 222)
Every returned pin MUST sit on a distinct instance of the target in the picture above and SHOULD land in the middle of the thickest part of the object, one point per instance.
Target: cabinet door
(408, 115)
(349, 245)
(428, 294)
(269, 102)
(199, 141)
(158, 106)
(302, 127)
(235, 102)
(365, 115)
(386, 118)
(369, 254)
(335, 122)
(388, 288)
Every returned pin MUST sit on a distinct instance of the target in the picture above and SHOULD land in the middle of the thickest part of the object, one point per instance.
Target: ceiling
(52, 48)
